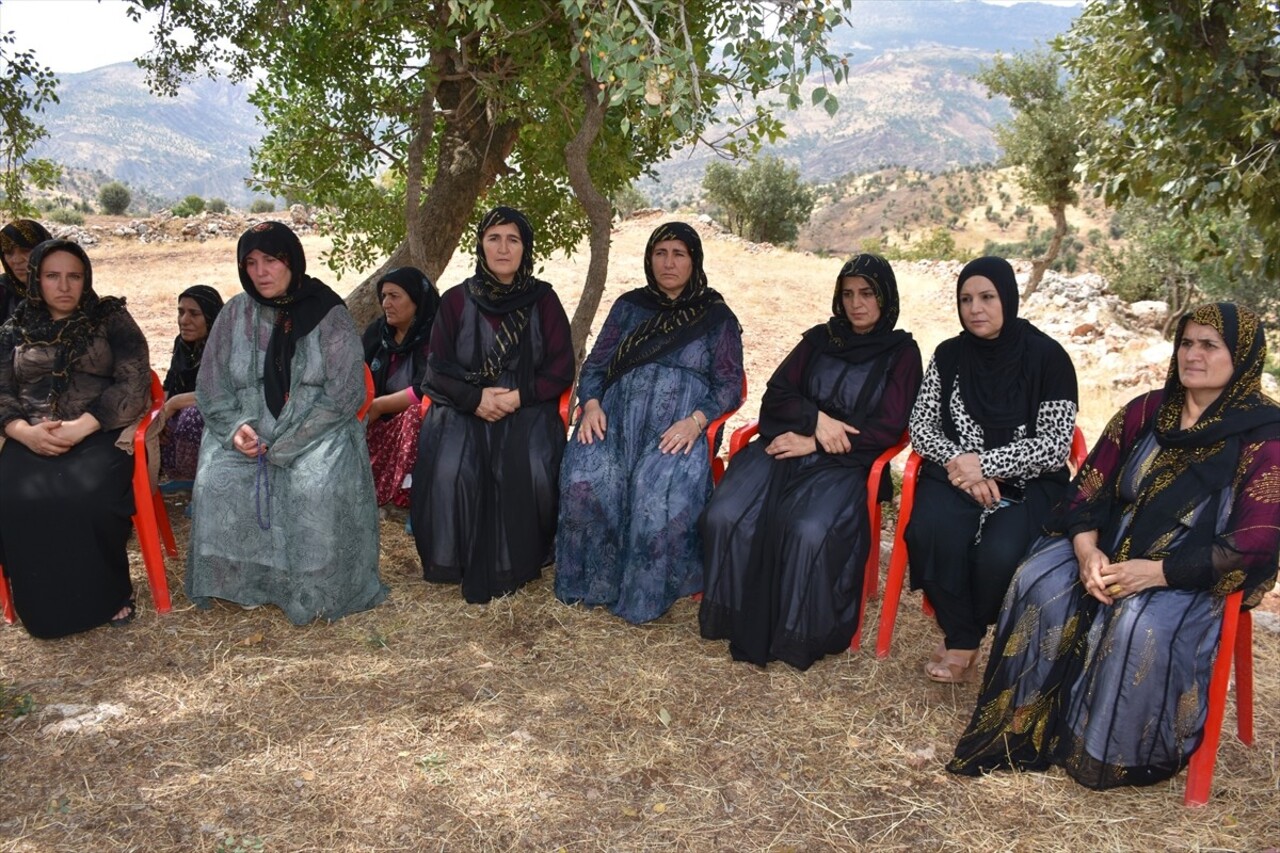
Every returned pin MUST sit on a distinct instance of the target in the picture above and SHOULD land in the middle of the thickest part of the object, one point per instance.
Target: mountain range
(910, 100)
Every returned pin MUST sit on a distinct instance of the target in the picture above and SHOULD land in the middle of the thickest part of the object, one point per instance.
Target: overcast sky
(78, 35)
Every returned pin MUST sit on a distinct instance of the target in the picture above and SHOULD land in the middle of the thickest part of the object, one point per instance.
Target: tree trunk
(599, 211)
(1040, 264)
(473, 151)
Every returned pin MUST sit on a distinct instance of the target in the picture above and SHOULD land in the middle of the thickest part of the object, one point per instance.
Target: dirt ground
(429, 724)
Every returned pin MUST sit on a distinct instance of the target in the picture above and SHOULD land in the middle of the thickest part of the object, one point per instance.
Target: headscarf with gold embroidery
(1196, 461)
(73, 334)
(676, 321)
(514, 301)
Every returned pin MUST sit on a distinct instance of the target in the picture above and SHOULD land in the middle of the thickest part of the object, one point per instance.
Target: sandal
(130, 609)
(957, 666)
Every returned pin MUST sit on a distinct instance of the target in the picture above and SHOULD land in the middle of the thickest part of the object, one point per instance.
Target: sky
(75, 35)
(70, 36)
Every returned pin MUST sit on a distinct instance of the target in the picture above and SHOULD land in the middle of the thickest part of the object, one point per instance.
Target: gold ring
(1114, 590)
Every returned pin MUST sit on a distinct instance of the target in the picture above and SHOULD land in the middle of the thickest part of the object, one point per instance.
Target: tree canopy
(1180, 101)
(26, 88)
(397, 119)
(765, 202)
(1041, 138)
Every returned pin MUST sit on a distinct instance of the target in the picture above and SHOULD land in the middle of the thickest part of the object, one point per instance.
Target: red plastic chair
(898, 559)
(564, 406)
(368, 394)
(1235, 643)
(713, 434)
(871, 571)
(150, 519)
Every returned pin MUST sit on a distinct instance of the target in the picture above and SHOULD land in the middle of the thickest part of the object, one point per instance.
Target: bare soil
(429, 724)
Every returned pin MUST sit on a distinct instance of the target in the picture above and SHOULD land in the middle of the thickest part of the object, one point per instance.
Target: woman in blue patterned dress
(637, 472)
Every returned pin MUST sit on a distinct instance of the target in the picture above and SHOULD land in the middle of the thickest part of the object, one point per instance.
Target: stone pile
(164, 227)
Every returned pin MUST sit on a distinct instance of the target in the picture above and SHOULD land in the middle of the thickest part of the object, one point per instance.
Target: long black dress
(65, 519)
(785, 540)
(485, 495)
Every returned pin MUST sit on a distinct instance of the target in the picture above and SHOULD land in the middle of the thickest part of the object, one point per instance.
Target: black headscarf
(379, 338)
(676, 321)
(514, 301)
(19, 234)
(298, 311)
(1002, 381)
(1195, 462)
(837, 337)
(184, 366)
(72, 335)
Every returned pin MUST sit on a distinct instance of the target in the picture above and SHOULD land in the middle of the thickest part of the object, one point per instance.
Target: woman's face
(672, 266)
(503, 250)
(192, 325)
(270, 275)
(980, 308)
(61, 283)
(858, 298)
(17, 261)
(397, 307)
(1204, 361)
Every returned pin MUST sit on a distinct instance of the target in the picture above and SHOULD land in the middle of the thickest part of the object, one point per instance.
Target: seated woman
(283, 510)
(17, 239)
(1105, 644)
(994, 423)
(198, 307)
(395, 349)
(74, 381)
(485, 485)
(785, 534)
(667, 361)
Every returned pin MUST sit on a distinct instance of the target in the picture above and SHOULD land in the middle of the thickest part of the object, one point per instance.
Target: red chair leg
(6, 599)
(144, 522)
(162, 523)
(898, 560)
(1244, 678)
(1200, 768)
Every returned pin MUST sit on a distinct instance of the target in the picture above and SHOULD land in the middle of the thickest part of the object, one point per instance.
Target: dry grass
(428, 724)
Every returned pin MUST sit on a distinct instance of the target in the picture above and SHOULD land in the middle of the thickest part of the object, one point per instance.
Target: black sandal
(131, 612)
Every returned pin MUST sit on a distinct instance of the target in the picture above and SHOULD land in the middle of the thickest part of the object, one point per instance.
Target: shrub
(262, 205)
(192, 205)
(66, 216)
(114, 198)
(216, 205)
(628, 200)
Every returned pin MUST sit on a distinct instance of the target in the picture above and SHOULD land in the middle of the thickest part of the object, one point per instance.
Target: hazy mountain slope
(196, 143)
(910, 101)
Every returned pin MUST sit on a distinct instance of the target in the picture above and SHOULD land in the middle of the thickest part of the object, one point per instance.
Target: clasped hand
(965, 473)
(1107, 581)
(53, 438)
(833, 435)
(246, 441)
(497, 403)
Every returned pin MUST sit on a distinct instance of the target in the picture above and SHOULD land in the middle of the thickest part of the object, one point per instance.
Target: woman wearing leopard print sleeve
(993, 422)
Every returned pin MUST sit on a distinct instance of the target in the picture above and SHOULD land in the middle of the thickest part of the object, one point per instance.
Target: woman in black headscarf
(485, 484)
(1105, 644)
(637, 473)
(17, 239)
(283, 510)
(994, 423)
(74, 381)
(198, 307)
(785, 534)
(395, 350)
